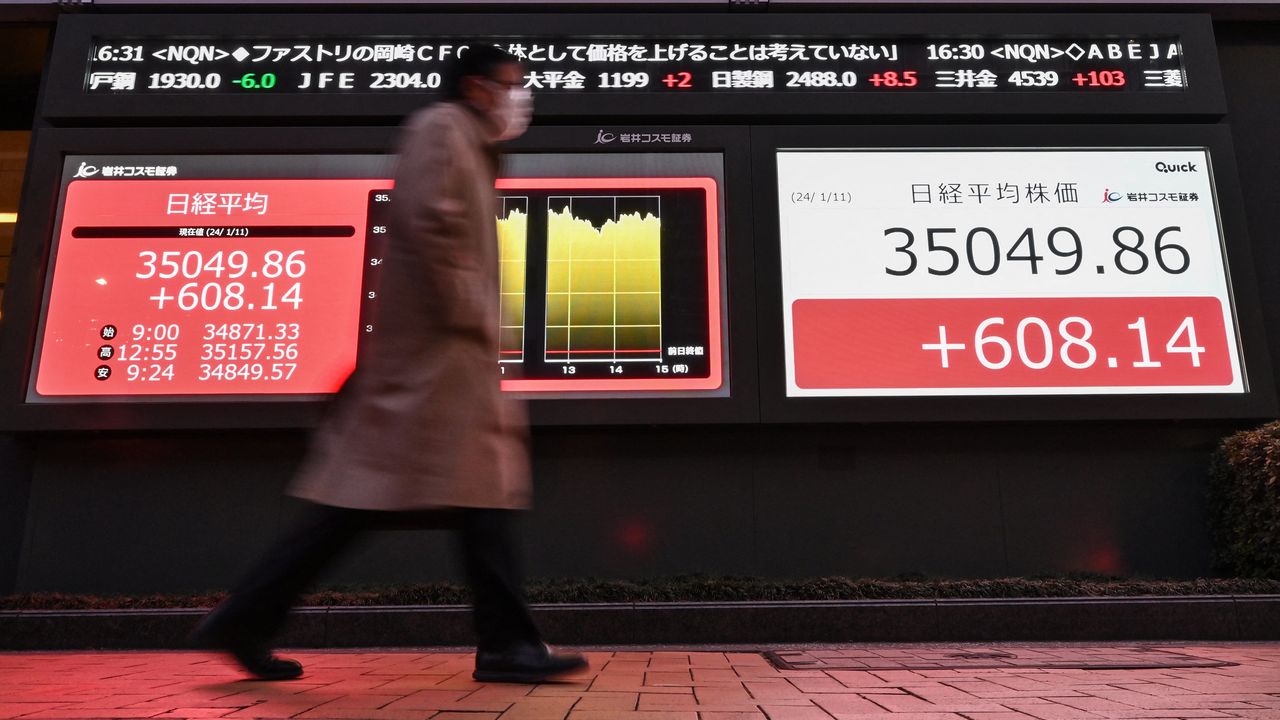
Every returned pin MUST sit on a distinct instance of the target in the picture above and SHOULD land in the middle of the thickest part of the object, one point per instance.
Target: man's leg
(489, 552)
(247, 621)
(509, 647)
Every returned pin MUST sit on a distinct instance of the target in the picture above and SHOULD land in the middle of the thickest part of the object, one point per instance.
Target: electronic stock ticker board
(644, 254)
(644, 65)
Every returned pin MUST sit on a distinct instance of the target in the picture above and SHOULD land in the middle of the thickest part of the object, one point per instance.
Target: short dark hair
(475, 61)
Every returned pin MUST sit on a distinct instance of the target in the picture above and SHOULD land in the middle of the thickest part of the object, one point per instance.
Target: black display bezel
(32, 255)
(775, 406)
(65, 100)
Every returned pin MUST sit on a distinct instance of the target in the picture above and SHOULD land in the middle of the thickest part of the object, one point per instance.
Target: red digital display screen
(1121, 342)
(166, 286)
(196, 287)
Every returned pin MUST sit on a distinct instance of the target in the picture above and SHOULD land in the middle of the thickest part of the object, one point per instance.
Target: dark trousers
(260, 603)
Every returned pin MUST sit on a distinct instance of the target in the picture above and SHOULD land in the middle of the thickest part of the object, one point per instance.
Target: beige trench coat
(422, 423)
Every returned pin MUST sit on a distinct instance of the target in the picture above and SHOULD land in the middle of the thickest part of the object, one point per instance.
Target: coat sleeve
(429, 193)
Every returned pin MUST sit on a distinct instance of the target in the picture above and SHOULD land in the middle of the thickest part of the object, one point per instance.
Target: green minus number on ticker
(254, 81)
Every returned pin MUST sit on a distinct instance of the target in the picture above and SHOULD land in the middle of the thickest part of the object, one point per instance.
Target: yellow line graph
(604, 299)
(513, 243)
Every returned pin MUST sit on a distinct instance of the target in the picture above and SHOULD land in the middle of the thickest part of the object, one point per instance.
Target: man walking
(422, 423)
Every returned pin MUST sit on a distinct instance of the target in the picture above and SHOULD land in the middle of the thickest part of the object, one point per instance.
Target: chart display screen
(619, 302)
(231, 276)
(1055, 271)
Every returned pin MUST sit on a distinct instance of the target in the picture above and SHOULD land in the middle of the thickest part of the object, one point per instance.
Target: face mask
(512, 112)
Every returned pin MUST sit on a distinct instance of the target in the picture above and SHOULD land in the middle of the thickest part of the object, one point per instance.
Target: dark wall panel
(879, 502)
(1115, 500)
(189, 512)
(1250, 55)
(15, 489)
(643, 501)
(147, 514)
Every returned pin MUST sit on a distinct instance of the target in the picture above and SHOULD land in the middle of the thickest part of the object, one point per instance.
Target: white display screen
(1001, 271)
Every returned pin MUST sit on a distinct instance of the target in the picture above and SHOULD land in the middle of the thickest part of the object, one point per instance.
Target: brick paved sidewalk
(643, 685)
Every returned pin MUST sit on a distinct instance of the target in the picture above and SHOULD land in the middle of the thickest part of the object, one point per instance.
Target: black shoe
(525, 664)
(217, 632)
